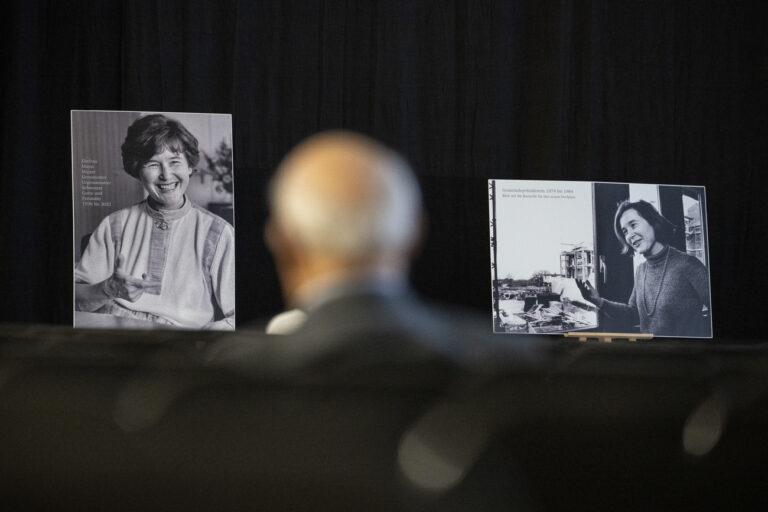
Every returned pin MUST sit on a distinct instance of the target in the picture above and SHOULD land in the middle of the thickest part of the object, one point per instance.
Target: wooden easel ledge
(608, 337)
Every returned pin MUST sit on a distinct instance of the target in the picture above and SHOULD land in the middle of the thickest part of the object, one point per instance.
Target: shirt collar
(386, 282)
(168, 215)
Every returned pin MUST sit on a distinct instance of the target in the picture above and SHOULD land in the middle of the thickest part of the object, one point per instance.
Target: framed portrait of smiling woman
(601, 257)
(153, 220)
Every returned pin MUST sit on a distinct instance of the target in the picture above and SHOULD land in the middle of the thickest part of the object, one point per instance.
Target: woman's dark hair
(663, 230)
(150, 135)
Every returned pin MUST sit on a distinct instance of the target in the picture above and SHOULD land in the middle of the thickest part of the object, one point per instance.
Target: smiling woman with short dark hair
(164, 259)
(671, 287)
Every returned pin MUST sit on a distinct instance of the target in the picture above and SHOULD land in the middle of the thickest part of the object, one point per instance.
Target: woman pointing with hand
(671, 289)
(164, 259)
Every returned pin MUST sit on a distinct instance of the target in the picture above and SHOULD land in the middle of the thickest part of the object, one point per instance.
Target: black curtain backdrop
(614, 90)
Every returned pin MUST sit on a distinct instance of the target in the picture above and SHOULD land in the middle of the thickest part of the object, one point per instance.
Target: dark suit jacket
(393, 335)
(417, 369)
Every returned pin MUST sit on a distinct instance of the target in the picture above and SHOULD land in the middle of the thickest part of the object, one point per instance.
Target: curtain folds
(653, 91)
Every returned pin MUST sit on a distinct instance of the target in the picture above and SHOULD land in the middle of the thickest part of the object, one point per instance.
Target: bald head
(346, 200)
(346, 195)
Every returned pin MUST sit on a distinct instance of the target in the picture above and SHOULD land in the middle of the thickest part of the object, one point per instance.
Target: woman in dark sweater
(671, 287)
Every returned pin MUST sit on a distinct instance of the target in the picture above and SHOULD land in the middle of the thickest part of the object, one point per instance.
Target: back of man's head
(340, 200)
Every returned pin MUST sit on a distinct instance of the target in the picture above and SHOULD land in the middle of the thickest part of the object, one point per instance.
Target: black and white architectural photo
(541, 243)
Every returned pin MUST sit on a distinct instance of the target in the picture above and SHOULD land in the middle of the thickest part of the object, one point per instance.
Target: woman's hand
(120, 285)
(123, 286)
(588, 292)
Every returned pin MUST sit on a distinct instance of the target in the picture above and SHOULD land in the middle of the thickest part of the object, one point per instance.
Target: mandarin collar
(386, 283)
(169, 215)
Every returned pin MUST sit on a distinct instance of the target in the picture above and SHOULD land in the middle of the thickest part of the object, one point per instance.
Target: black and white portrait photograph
(653, 260)
(601, 257)
(153, 217)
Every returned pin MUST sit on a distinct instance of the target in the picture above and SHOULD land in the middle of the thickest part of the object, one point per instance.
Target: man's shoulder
(374, 312)
(382, 340)
(399, 327)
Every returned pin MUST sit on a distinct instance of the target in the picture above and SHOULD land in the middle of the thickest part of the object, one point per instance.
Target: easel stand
(608, 337)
